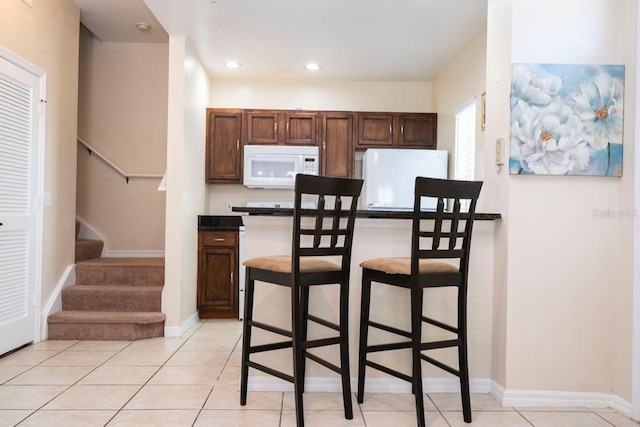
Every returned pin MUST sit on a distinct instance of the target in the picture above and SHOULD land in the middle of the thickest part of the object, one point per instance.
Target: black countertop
(359, 214)
(219, 222)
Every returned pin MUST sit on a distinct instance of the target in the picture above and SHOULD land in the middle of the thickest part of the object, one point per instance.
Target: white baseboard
(54, 303)
(134, 254)
(551, 398)
(514, 398)
(178, 331)
(372, 385)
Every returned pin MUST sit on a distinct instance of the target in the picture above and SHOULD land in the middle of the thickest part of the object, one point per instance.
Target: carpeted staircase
(87, 248)
(113, 298)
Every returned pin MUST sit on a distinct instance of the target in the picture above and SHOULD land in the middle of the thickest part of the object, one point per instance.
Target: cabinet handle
(275, 127)
(219, 239)
(238, 145)
(232, 278)
(287, 126)
(390, 130)
(402, 130)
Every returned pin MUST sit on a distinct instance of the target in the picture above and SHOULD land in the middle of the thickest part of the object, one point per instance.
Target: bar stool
(325, 230)
(435, 236)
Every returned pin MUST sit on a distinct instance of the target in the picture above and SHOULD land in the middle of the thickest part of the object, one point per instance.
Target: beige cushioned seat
(282, 264)
(402, 265)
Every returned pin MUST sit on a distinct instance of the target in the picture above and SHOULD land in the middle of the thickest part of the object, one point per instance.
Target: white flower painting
(566, 119)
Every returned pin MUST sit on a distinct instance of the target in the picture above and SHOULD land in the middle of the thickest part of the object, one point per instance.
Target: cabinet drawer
(219, 238)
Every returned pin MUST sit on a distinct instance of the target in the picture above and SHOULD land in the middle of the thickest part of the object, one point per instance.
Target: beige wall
(308, 95)
(562, 301)
(322, 95)
(47, 36)
(123, 115)
(460, 81)
(186, 192)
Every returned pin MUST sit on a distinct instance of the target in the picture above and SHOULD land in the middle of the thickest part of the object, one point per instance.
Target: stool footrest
(439, 344)
(440, 324)
(323, 322)
(270, 328)
(440, 365)
(389, 371)
(271, 346)
(270, 371)
(390, 346)
(390, 329)
(320, 342)
(324, 363)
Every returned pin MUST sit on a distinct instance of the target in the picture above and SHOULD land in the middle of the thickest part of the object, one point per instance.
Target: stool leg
(304, 301)
(344, 349)
(462, 355)
(246, 335)
(298, 354)
(416, 334)
(364, 326)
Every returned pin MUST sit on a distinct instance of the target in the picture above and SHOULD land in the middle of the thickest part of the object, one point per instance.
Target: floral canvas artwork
(566, 119)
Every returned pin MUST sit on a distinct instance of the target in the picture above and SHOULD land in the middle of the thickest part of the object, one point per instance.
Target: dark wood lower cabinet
(218, 274)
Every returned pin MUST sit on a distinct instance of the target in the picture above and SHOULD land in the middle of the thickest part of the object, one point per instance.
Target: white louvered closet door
(19, 216)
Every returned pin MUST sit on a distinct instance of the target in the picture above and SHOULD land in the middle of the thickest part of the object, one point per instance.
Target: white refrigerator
(389, 176)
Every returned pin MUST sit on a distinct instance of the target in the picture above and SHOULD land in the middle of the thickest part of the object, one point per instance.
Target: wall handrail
(124, 174)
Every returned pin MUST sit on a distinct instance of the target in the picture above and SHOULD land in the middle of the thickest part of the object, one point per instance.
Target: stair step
(105, 325)
(88, 249)
(125, 271)
(112, 298)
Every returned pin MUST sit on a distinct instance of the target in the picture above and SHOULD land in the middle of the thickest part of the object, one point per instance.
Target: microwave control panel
(309, 165)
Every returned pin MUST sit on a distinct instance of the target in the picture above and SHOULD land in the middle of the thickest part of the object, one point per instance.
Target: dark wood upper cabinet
(418, 130)
(300, 128)
(336, 150)
(274, 127)
(223, 149)
(398, 130)
(338, 134)
(262, 127)
(375, 130)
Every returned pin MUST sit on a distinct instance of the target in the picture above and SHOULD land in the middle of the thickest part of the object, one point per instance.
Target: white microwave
(276, 166)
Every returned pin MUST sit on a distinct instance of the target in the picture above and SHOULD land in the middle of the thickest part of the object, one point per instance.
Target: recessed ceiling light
(312, 66)
(143, 26)
(232, 64)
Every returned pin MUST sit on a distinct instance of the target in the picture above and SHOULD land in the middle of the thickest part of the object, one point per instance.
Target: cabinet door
(337, 144)
(223, 147)
(375, 130)
(217, 276)
(262, 127)
(418, 130)
(301, 128)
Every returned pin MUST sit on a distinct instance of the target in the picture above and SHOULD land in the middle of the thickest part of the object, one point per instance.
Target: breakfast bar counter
(377, 234)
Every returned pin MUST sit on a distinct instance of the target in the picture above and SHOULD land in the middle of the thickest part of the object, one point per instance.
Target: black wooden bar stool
(436, 236)
(325, 230)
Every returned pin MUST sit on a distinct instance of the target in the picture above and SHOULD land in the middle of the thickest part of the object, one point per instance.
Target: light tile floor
(193, 381)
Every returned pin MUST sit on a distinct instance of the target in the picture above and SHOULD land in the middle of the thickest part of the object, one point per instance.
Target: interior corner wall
(496, 180)
(46, 35)
(564, 266)
(123, 115)
(623, 308)
(186, 192)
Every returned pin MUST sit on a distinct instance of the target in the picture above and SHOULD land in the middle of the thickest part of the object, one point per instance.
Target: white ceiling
(365, 40)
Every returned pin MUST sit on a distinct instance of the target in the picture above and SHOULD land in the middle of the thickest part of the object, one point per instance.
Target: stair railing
(126, 175)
